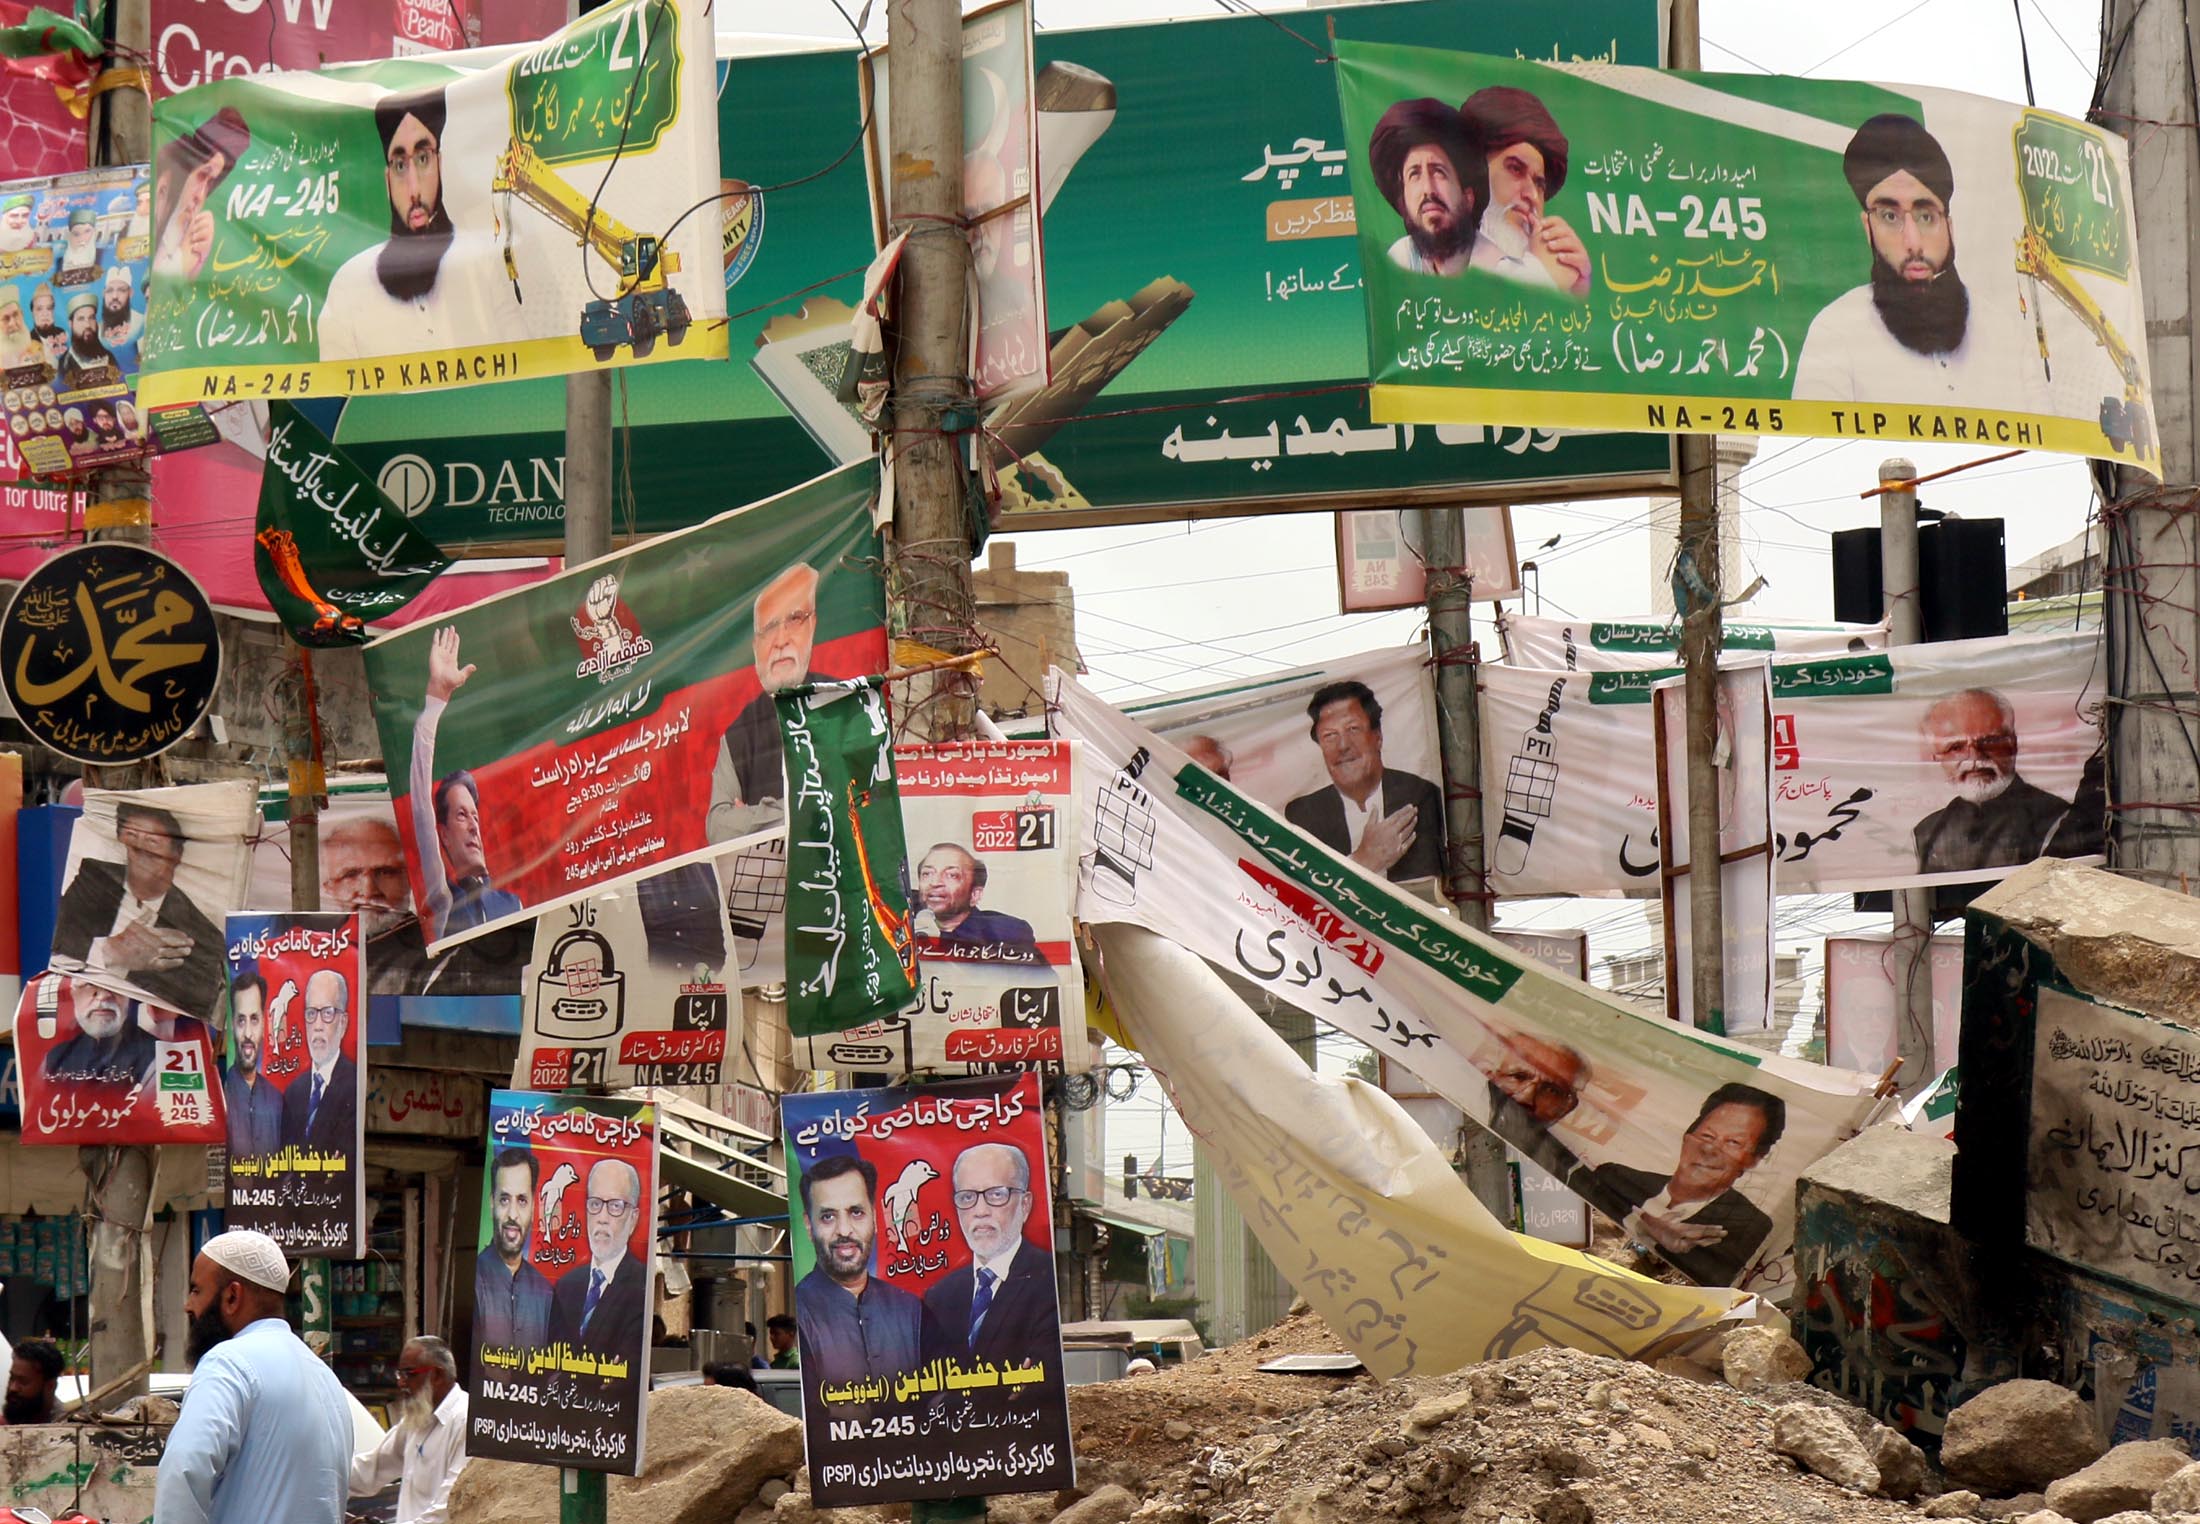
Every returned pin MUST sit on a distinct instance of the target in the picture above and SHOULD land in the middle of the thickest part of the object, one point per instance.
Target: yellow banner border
(407, 374)
(1773, 418)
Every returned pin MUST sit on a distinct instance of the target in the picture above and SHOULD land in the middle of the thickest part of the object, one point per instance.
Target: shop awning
(714, 1158)
(1127, 1224)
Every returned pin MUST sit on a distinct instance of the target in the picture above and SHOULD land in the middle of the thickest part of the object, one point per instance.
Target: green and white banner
(331, 552)
(1615, 645)
(414, 224)
(851, 955)
(1626, 248)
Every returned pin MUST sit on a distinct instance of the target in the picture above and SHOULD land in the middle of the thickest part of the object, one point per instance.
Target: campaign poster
(423, 223)
(1623, 247)
(151, 875)
(990, 876)
(618, 719)
(1346, 751)
(98, 1066)
(631, 987)
(1382, 564)
(1693, 1141)
(922, 1233)
(565, 1281)
(73, 256)
(195, 43)
(1865, 974)
(295, 1078)
(1613, 645)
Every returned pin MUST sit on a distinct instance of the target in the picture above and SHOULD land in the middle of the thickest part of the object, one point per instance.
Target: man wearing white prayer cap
(265, 1432)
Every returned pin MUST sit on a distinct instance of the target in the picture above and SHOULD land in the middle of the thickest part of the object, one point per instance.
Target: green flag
(331, 552)
(850, 958)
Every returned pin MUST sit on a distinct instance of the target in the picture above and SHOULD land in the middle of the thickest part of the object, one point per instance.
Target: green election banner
(331, 552)
(1202, 288)
(414, 224)
(851, 956)
(1583, 246)
(617, 720)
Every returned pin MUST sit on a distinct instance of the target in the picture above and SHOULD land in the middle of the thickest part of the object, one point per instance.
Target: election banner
(925, 1313)
(109, 653)
(295, 1079)
(152, 873)
(1003, 193)
(196, 43)
(331, 551)
(1624, 247)
(851, 958)
(1197, 263)
(73, 256)
(1616, 645)
(1944, 763)
(1381, 564)
(565, 1282)
(1864, 978)
(1346, 750)
(473, 987)
(617, 719)
(1743, 762)
(991, 873)
(1354, 1204)
(630, 987)
(99, 1067)
(1691, 1141)
(411, 225)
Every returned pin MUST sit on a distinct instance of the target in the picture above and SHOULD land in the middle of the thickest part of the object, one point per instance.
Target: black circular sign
(109, 653)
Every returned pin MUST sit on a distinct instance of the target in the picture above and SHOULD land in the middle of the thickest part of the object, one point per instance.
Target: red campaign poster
(100, 1067)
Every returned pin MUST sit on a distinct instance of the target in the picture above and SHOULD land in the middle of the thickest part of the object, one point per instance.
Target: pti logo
(610, 638)
(409, 482)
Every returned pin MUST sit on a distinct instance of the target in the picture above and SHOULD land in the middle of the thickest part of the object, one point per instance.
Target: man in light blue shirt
(265, 1433)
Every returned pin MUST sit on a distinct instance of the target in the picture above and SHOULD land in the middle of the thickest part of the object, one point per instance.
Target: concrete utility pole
(120, 508)
(933, 410)
(1699, 595)
(2152, 584)
(1913, 908)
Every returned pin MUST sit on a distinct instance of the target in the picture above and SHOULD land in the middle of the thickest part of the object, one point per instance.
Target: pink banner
(198, 41)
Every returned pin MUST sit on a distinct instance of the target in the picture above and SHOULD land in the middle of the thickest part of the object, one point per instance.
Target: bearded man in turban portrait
(1524, 166)
(1429, 169)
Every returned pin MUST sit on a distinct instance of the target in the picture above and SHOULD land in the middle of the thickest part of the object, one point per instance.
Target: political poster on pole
(1693, 1141)
(1381, 563)
(563, 1286)
(630, 987)
(1864, 975)
(617, 720)
(411, 225)
(991, 873)
(151, 875)
(98, 1066)
(296, 1080)
(1618, 247)
(1615, 645)
(924, 1300)
(73, 256)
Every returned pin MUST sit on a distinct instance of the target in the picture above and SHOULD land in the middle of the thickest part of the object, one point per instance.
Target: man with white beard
(1996, 820)
(17, 229)
(363, 869)
(109, 1046)
(425, 1448)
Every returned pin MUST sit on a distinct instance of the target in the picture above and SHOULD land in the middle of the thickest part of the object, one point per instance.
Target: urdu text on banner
(426, 223)
(1780, 256)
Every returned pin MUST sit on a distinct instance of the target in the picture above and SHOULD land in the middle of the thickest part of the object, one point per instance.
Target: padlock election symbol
(580, 996)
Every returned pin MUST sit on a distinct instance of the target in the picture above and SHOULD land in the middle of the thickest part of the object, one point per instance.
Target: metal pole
(933, 408)
(1913, 908)
(1699, 592)
(1442, 536)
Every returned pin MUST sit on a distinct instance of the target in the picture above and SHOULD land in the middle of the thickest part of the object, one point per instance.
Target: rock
(2014, 1508)
(1952, 1505)
(1110, 1505)
(1650, 1434)
(1302, 1507)
(1702, 1446)
(1021, 1508)
(2124, 1479)
(2017, 1437)
(1176, 1429)
(1433, 1413)
(1566, 1505)
(2181, 1493)
(1820, 1441)
(2131, 1516)
(1902, 1466)
(772, 1491)
(1763, 1354)
(2043, 1516)
(711, 1448)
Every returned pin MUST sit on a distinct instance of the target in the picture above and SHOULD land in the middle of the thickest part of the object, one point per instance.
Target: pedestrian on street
(425, 1448)
(265, 1432)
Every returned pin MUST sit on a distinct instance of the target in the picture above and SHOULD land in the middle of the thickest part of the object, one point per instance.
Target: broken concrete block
(1819, 1440)
(2018, 1437)
(1762, 1355)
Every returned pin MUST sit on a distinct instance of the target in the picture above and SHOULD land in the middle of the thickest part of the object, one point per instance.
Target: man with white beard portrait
(109, 1046)
(1996, 819)
(363, 869)
(425, 1448)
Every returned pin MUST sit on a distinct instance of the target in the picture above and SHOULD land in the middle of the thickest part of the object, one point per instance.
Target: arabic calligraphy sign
(99, 1067)
(109, 653)
(565, 1282)
(933, 1205)
(1777, 259)
(295, 1079)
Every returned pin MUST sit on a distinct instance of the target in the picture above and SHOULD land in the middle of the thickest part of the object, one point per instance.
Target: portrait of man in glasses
(598, 1306)
(1996, 819)
(132, 922)
(748, 789)
(321, 1106)
(1000, 1307)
